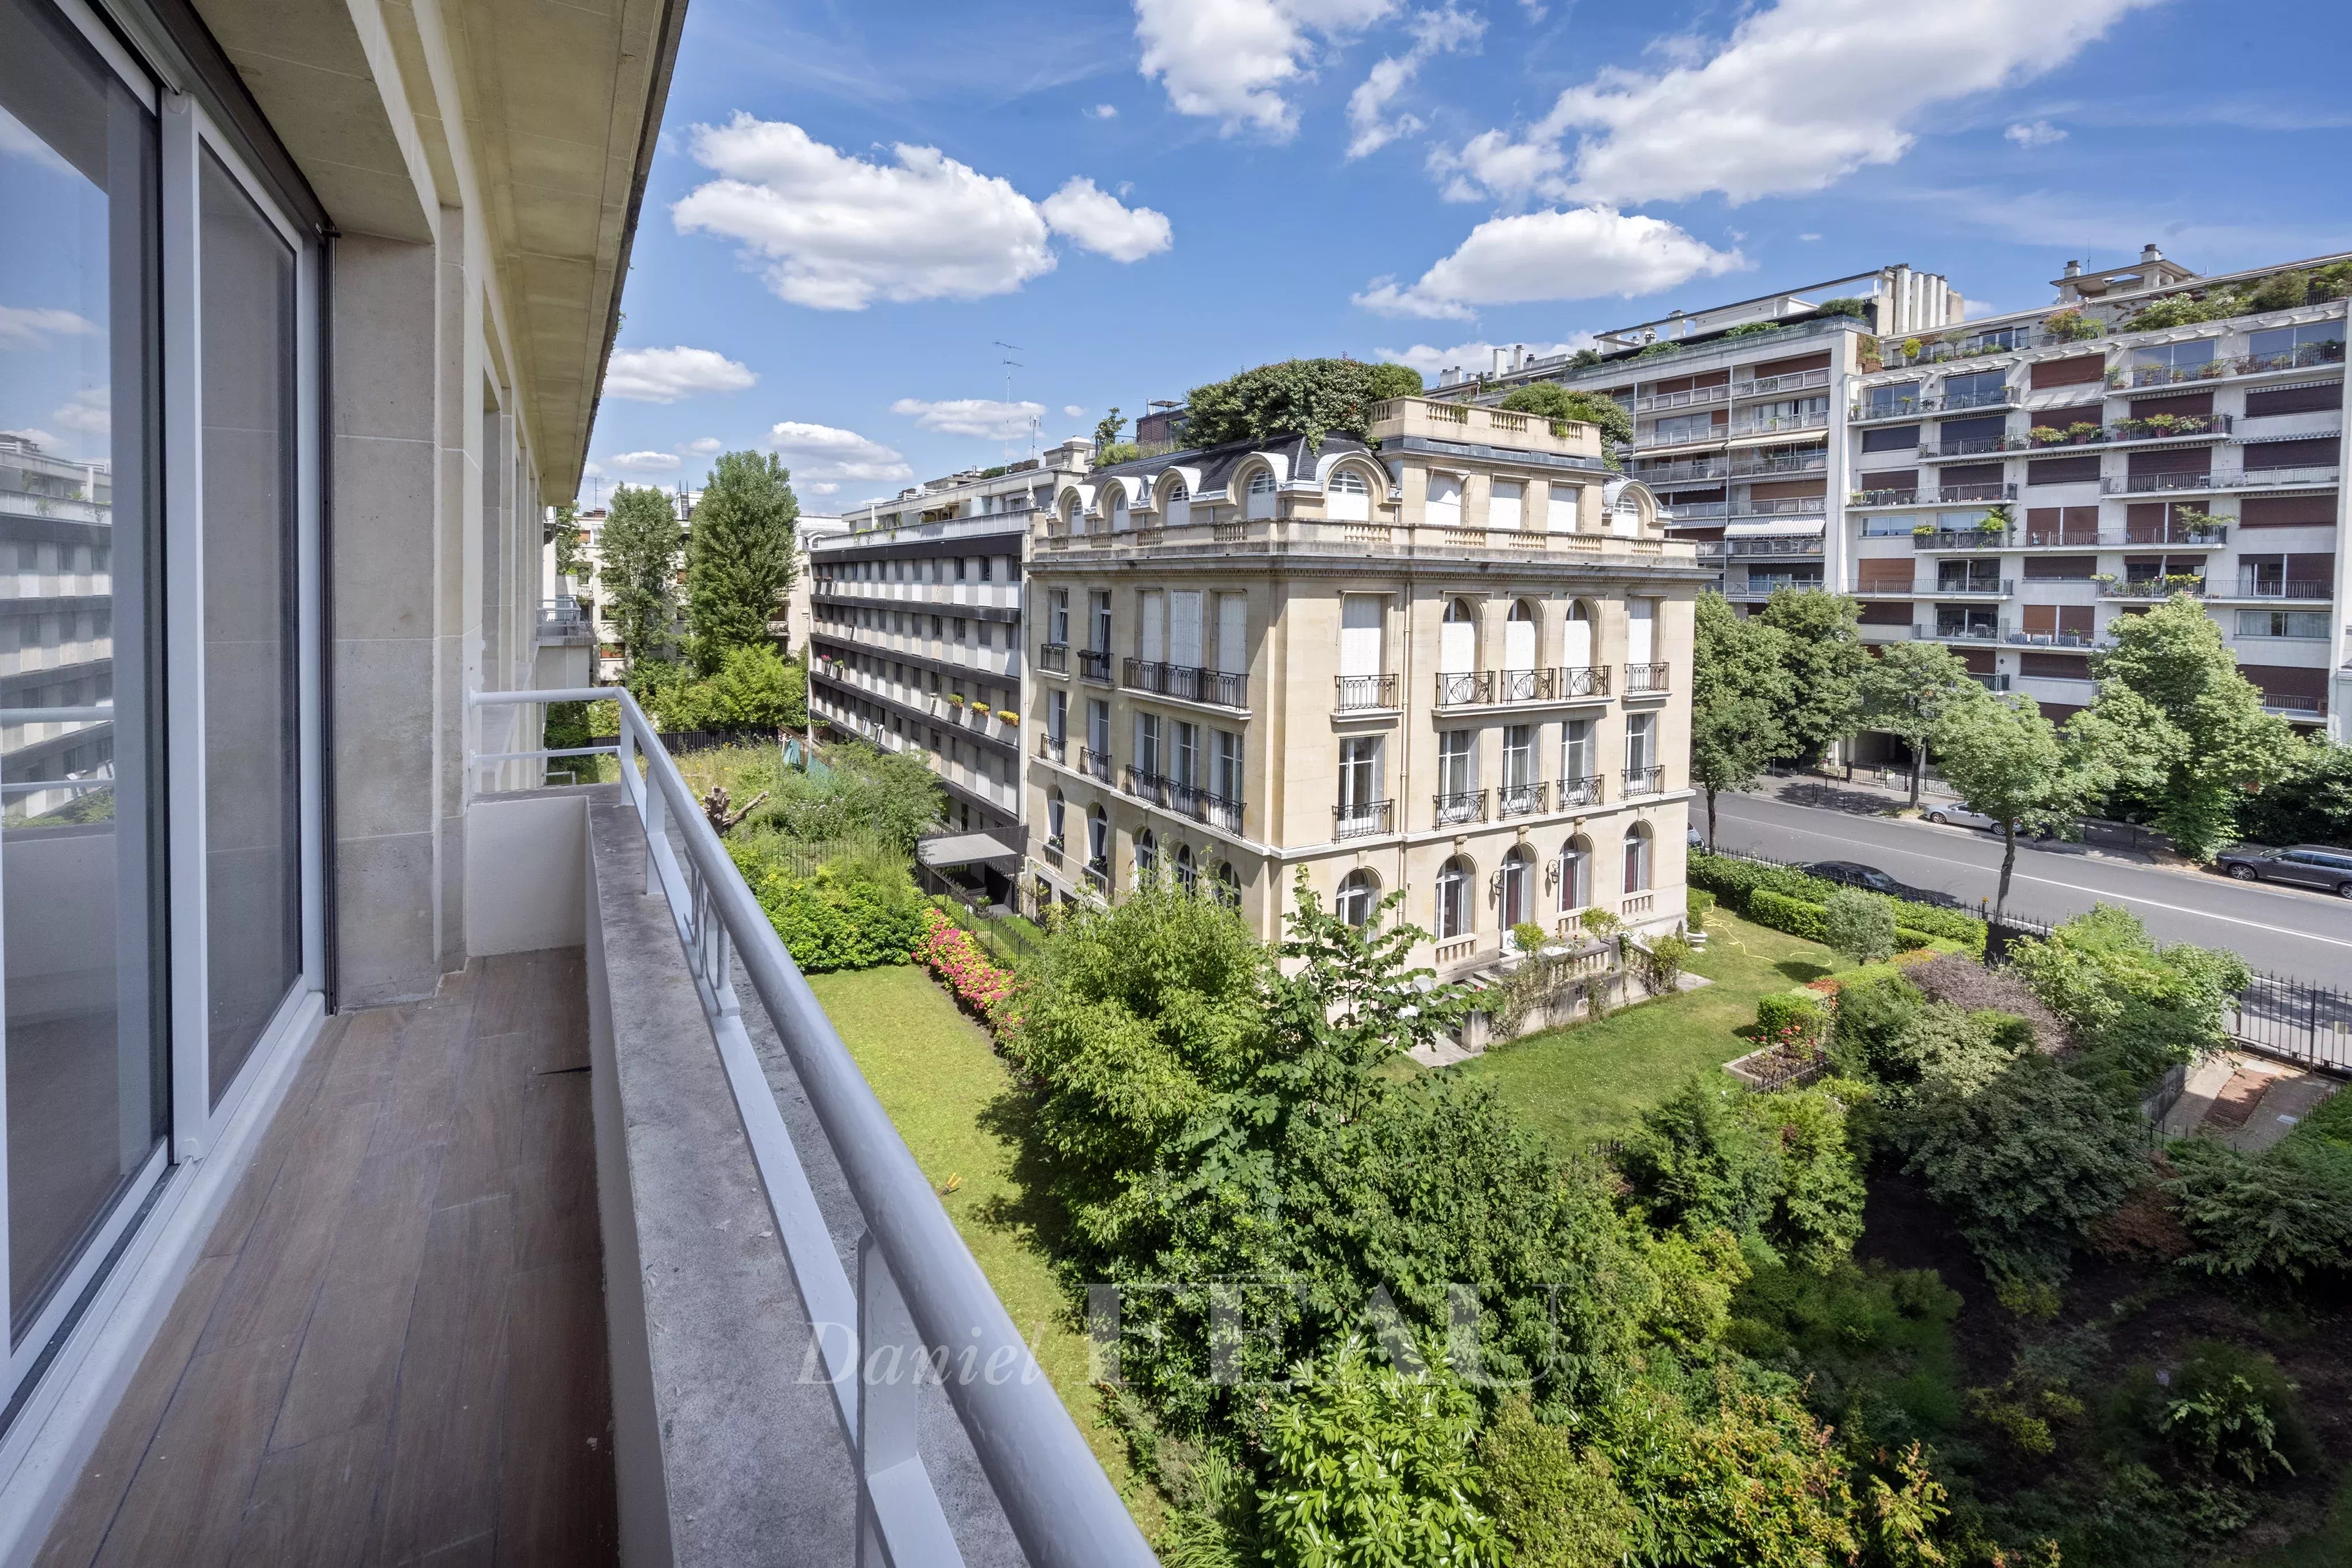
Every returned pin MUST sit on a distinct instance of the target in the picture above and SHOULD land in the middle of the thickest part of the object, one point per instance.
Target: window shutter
(1184, 628)
(2063, 470)
(1641, 626)
(1233, 633)
(2071, 372)
(1359, 635)
(2311, 399)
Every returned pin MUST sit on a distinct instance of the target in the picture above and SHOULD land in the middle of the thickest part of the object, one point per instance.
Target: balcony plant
(1923, 530)
(2071, 326)
(1007, 715)
(2045, 435)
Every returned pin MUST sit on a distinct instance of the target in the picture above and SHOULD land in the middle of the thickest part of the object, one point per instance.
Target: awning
(967, 848)
(1793, 528)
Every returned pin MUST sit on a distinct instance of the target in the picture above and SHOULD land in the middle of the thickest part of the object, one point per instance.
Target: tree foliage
(1773, 1168)
(738, 556)
(1859, 926)
(1825, 660)
(570, 539)
(1904, 691)
(1741, 688)
(2311, 802)
(1295, 397)
(638, 553)
(2009, 762)
(1551, 400)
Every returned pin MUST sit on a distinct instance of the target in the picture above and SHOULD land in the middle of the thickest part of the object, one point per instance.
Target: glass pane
(252, 905)
(87, 1096)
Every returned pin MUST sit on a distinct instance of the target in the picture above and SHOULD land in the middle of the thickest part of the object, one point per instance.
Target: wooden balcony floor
(393, 1348)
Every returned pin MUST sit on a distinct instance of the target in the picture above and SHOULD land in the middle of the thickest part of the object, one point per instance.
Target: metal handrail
(918, 1291)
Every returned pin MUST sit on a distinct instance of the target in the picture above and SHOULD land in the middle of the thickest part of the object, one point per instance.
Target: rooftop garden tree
(738, 556)
(1311, 398)
(1557, 403)
(1740, 687)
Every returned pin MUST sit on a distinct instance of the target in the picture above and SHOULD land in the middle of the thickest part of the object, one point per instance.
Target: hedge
(1740, 883)
(842, 916)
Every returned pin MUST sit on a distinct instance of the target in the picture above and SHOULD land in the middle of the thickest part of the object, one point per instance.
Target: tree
(1904, 691)
(1556, 402)
(1739, 689)
(564, 532)
(639, 550)
(1106, 429)
(1859, 926)
(738, 556)
(1826, 661)
(1295, 397)
(2008, 761)
(2214, 743)
(2313, 804)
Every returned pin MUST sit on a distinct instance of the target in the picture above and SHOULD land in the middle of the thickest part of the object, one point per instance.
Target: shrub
(1870, 1016)
(1663, 964)
(1969, 986)
(1781, 913)
(1696, 902)
(2140, 1005)
(1859, 926)
(1557, 1505)
(850, 913)
(1529, 936)
(949, 952)
(1775, 1167)
(2232, 1410)
(1735, 882)
(1816, 1215)
(2287, 1213)
(1791, 1022)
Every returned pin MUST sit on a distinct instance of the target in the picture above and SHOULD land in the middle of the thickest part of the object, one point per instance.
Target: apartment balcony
(1991, 682)
(2295, 706)
(1584, 791)
(1054, 656)
(1094, 663)
(1187, 683)
(1098, 877)
(1694, 511)
(561, 620)
(2132, 536)
(1686, 469)
(1357, 694)
(1995, 397)
(1363, 819)
(1644, 781)
(1777, 545)
(2253, 586)
(1935, 495)
(1184, 800)
(1970, 588)
(1782, 386)
(2152, 587)
(1925, 538)
(1521, 799)
(1466, 689)
(1959, 631)
(2051, 639)
(2306, 357)
(1764, 584)
(1705, 550)
(1701, 397)
(1779, 424)
(1646, 680)
(2220, 479)
(1782, 507)
(1095, 765)
(1054, 749)
(2003, 341)
(2157, 429)
(1751, 465)
(1461, 809)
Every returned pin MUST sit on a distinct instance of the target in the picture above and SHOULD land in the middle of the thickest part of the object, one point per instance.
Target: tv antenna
(1011, 365)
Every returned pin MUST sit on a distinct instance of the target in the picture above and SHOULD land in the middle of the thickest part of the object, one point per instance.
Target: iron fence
(2295, 1019)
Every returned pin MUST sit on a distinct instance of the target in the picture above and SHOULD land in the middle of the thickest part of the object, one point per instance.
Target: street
(2284, 931)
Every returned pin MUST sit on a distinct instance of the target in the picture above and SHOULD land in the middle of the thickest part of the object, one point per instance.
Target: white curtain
(1519, 640)
(1503, 504)
(1233, 633)
(1641, 629)
(1561, 510)
(1359, 635)
(1457, 645)
(1152, 643)
(1184, 628)
(1444, 509)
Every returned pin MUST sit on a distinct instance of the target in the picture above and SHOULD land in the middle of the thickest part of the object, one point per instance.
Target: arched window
(1359, 894)
(1637, 858)
(1454, 883)
(1176, 503)
(1227, 886)
(1575, 874)
(1186, 873)
(1259, 500)
(1147, 857)
(1577, 653)
(1097, 840)
(1073, 509)
(1116, 509)
(1057, 813)
(1457, 639)
(1348, 498)
(1519, 637)
(1518, 889)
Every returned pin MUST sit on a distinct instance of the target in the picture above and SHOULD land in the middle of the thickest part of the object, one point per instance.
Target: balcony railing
(1357, 692)
(915, 1302)
(1054, 749)
(1691, 511)
(2052, 639)
(1054, 656)
(1744, 465)
(1770, 583)
(1468, 806)
(1362, 818)
(1933, 494)
(1188, 683)
(2158, 427)
(1800, 543)
(2130, 536)
(1698, 398)
(1777, 424)
(1782, 507)
(1094, 663)
(1098, 879)
(1782, 386)
(1644, 780)
(2294, 705)
(2252, 587)
(1521, 799)
(1466, 688)
(1998, 397)
(1981, 587)
(2307, 354)
(561, 620)
(1094, 764)
(1646, 680)
(1959, 538)
(2153, 586)
(1958, 631)
(2233, 479)
(1670, 473)
(1584, 791)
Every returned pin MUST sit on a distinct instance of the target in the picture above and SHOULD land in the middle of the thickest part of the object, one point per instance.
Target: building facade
(915, 628)
(56, 635)
(1458, 663)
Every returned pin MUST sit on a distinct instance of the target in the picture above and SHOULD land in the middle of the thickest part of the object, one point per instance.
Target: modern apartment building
(1458, 663)
(915, 628)
(2018, 485)
(57, 641)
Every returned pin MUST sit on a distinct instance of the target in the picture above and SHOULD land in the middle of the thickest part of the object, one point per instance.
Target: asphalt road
(2285, 931)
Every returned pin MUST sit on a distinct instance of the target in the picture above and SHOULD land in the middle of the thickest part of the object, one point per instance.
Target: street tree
(738, 556)
(1825, 660)
(1739, 688)
(1556, 403)
(2216, 743)
(639, 550)
(1904, 691)
(2009, 762)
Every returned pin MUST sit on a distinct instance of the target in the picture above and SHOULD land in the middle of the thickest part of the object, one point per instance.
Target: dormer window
(1348, 498)
(1260, 501)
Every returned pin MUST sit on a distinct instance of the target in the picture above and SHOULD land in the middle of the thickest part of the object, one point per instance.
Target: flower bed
(949, 952)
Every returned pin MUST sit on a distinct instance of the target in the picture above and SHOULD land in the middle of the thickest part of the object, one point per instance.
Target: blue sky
(853, 204)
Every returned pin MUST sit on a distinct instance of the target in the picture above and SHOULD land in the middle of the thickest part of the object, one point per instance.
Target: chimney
(2149, 253)
(2075, 268)
(1502, 360)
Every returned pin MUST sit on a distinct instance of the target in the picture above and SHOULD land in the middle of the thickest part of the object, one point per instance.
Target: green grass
(947, 1091)
(1593, 1080)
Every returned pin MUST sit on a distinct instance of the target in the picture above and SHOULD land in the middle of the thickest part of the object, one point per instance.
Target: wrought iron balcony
(1362, 818)
(1052, 748)
(1467, 806)
(1094, 764)
(1466, 688)
(1094, 663)
(1188, 683)
(1644, 780)
(1357, 692)
(1646, 680)
(1584, 791)
(1521, 799)
(1054, 656)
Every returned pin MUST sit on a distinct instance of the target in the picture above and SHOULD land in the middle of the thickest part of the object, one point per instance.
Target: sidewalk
(1875, 792)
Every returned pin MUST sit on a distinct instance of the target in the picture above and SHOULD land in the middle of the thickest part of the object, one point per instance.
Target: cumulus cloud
(836, 232)
(89, 411)
(23, 327)
(591, 470)
(671, 375)
(981, 416)
(704, 446)
(819, 486)
(2035, 133)
(1098, 221)
(1227, 60)
(1476, 355)
(643, 462)
(1801, 95)
(1584, 253)
(1433, 33)
(1073, 410)
(825, 453)
(1103, 112)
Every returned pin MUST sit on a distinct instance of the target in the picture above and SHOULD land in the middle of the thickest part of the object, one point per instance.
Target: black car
(2327, 867)
(1870, 879)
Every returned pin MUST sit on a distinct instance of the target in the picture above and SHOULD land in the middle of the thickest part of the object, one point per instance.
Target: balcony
(2295, 706)
(1054, 749)
(1186, 683)
(1996, 397)
(2303, 358)
(1095, 765)
(1363, 819)
(1466, 689)
(2132, 536)
(1094, 663)
(1644, 780)
(1698, 398)
(1968, 588)
(1584, 791)
(1521, 799)
(2052, 639)
(1782, 507)
(1928, 539)
(1646, 680)
(1782, 386)
(1779, 424)
(1958, 631)
(561, 620)
(1097, 879)
(1764, 584)
(1694, 511)
(1750, 465)
(1054, 656)
(1691, 468)
(1461, 809)
(2152, 587)
(1783, 544)
(2163, 427)
(2232, 479)
(2253, 586)
(1935, 495)
(1358, 693)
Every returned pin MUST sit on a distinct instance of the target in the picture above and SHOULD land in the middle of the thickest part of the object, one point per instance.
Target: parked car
(1953, 814)
(1870, 879)
(2327, 867)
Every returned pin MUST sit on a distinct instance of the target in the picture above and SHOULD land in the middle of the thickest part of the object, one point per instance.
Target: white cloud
(1809, 236)
(824, 453)
(38, 438)
(1801, 95)
(1227, 59)
(704, 446)
(1096, 220)
(643, 462)
(818, 486)
(89, 411)
(981, 416)
(23, 327)
(836, 232)
(1433, 33)
(591, 470)
(1103, 112)
(1477, 355)
(1584, 253)
(671, 375)
(2035, 133)
(1073, 410)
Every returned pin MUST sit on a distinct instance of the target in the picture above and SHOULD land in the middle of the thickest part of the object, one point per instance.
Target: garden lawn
(945, 1088)
(1593, 1081)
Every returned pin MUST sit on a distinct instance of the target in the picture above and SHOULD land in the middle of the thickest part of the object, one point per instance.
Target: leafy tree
(1295, 397)
(755, 689)
(1773, 1167)
(563, 531)
(738, 556)
(639, 549)
(2008, 761)
(1826, 661)
(1858, 925)
(1556, 403)
(1904, 691)
(2312, 803)
(1740, 687)
(1106, 429)
(2286, 1214)
(2214, 743)
(2139, 1006)
(1558, 1504)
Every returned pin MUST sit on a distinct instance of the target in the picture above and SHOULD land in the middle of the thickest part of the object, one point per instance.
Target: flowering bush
(948, 951)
